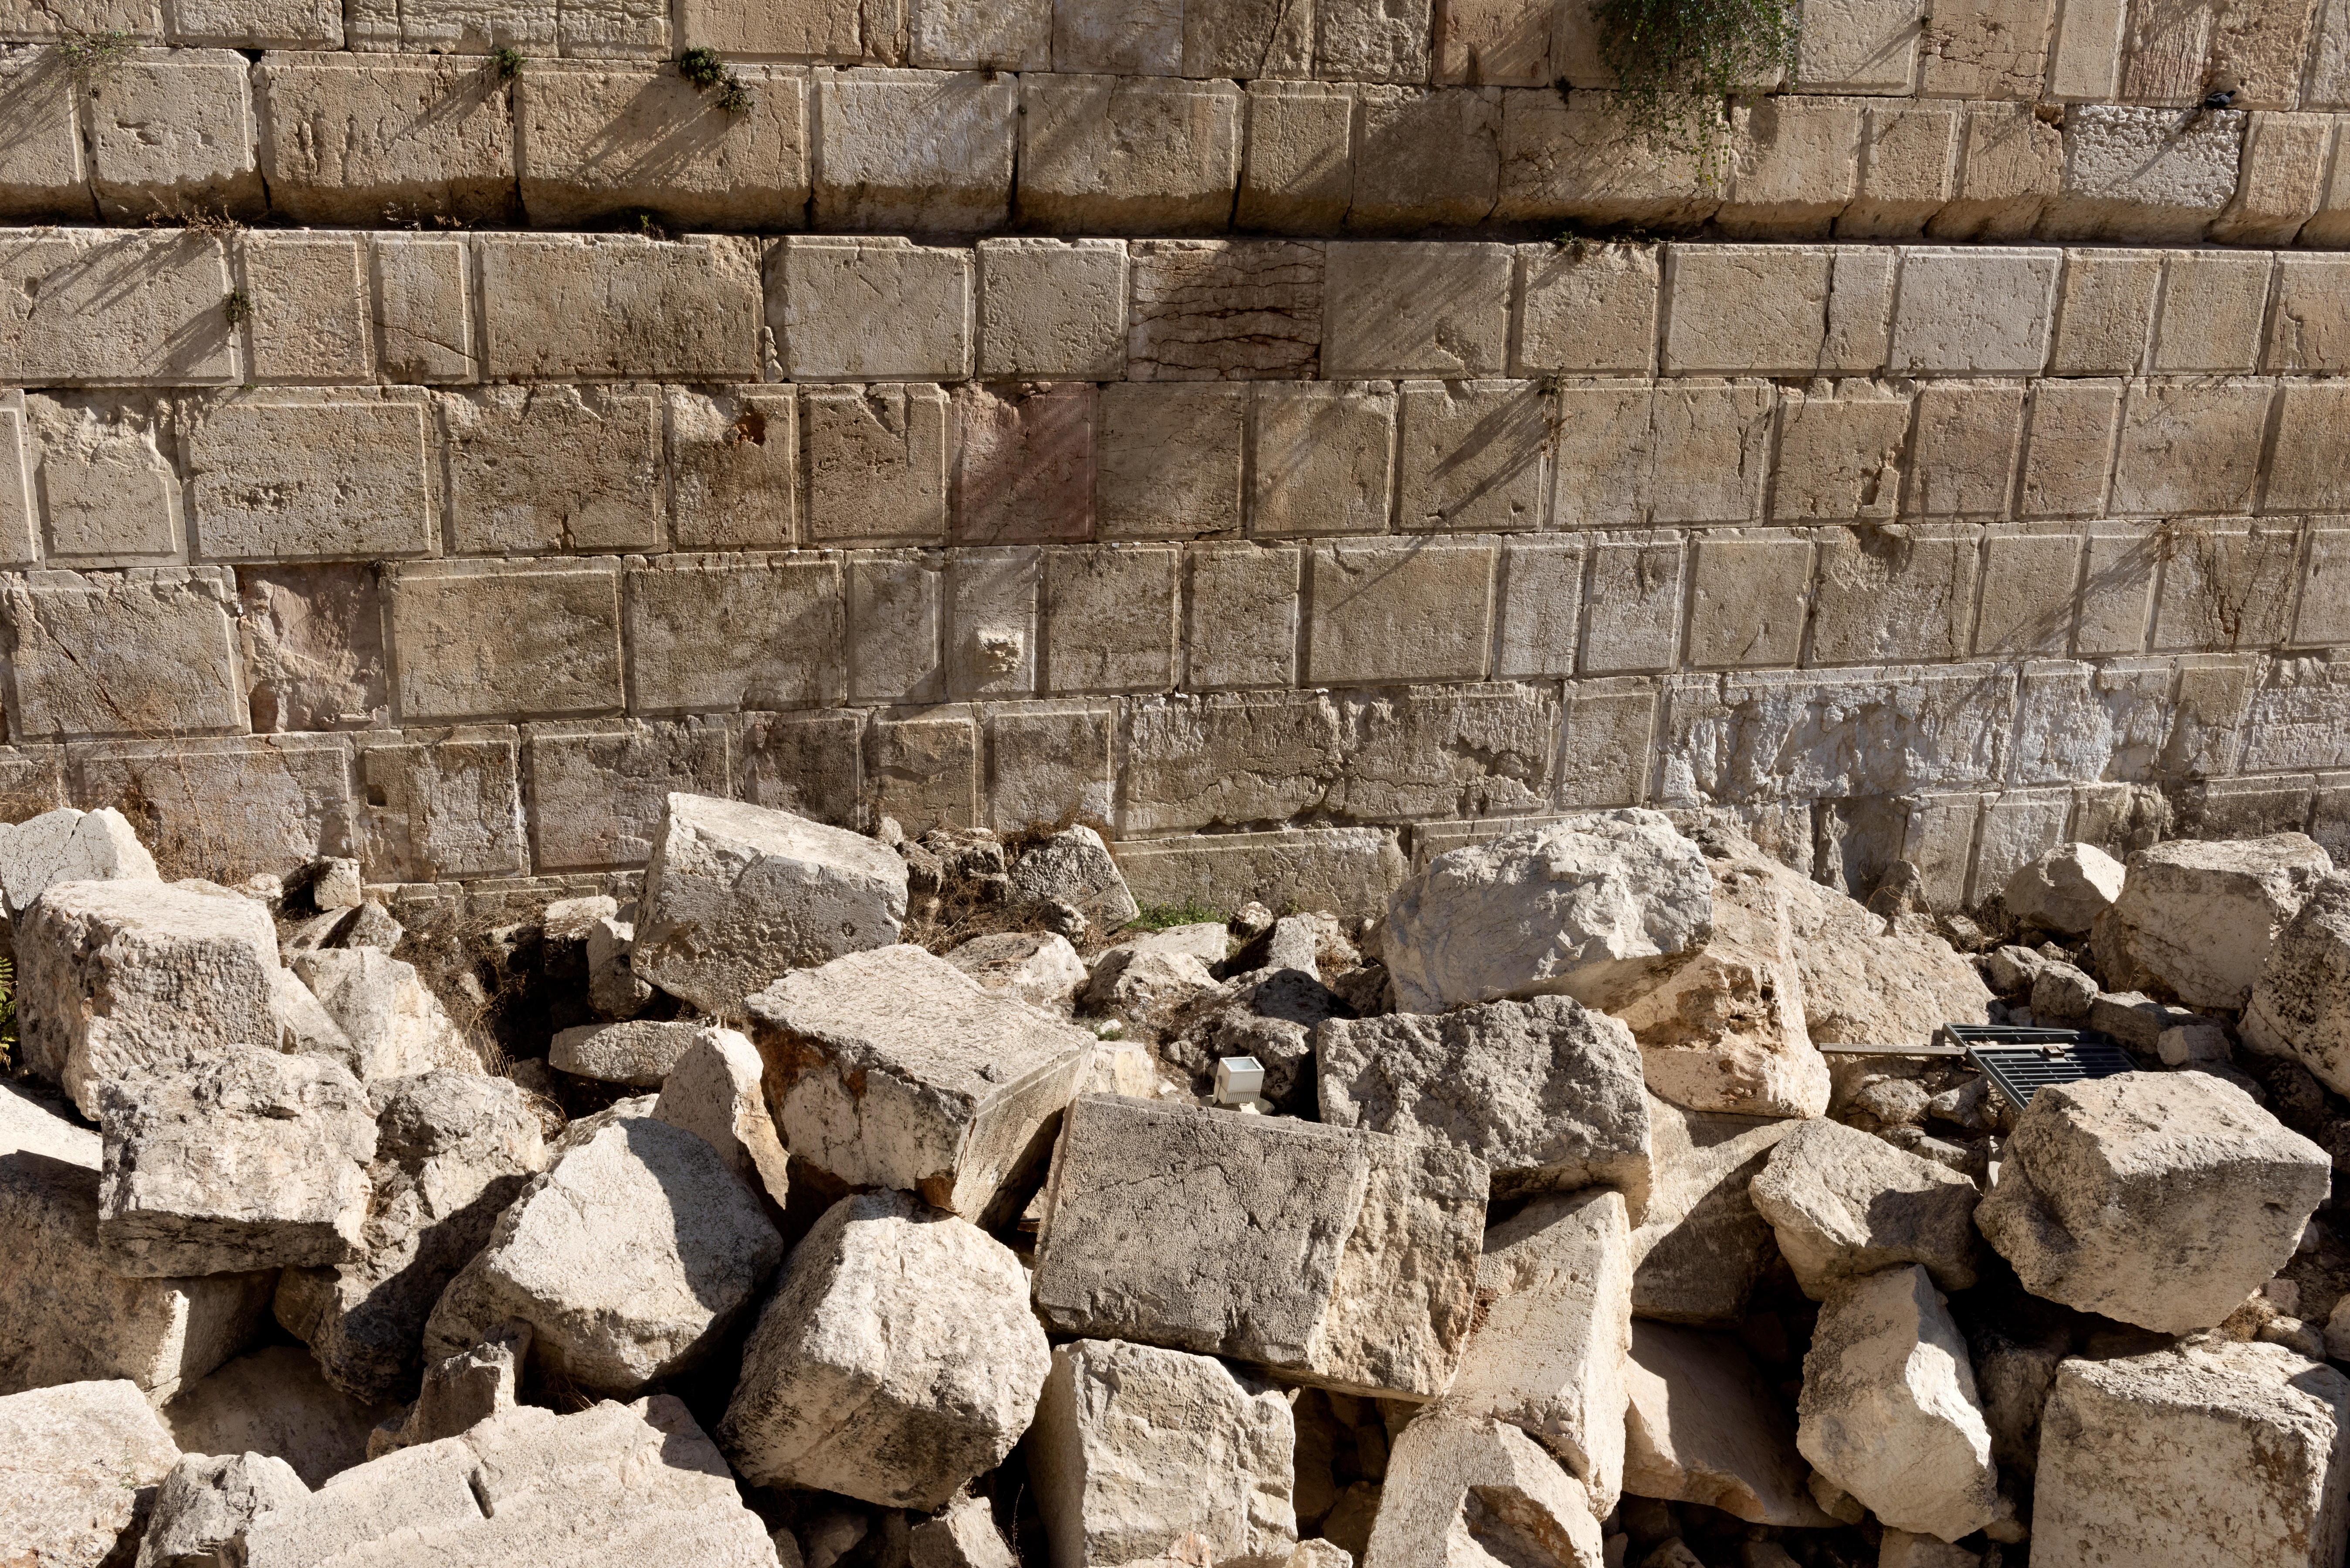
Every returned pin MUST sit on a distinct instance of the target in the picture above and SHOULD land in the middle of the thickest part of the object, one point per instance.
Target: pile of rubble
(914, 1204)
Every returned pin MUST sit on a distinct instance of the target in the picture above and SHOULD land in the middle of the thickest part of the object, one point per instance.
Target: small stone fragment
(2065, 890)
(1843, 1204)
(714, 1092)
(207, 1503)
(640, 1053)
(373, 927)
(337, 885)
(1700, 1426)
(459, 1392)
(1461, 1488)
(1039, 969)
(67, 846)
(392, 1024)
(614, 988)
(964, 1536)
(1074, 866)
(1149, 988)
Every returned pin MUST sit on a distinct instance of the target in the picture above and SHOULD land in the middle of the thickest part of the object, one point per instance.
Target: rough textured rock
(896, 1360)
(1599, 908)
(393, 1025)
(1147, 988)
(1701, 1246)
(614, 988)
(67, 846)
(1702, 1426)
(1548, 1353)
(629, 1259)
(79, 1465)
(1725, 1031)
(1405, 1293)
(1136, 1447)
(1271, 1015)
(2301, 1005)
(1890, 1412)
(248, 1160)
(115, 978)
(714, 1092)
(459, 1392)
(2065, 890)
(638, 1054)
(611, 1484)
(1843, 1203)
(1546, 1092)
(1465, 1490)
(1074, 866)
(2213, 1452)
(964, 1536)
(2198, 919)
(1039, 969)
(453, 1150)
(273, 1401)
(2160, 1199)
(735, 895)
(893, 1068)
(207, 1502)
(65, 1315)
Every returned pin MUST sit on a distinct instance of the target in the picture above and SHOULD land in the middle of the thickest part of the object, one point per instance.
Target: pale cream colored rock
(1861, 46)
(640, 1053)
(872, 309)
(1425, 158)
(205, 1503)
(393, 1024)
(846, 31)
(2296, 1007)
(1051, 308)
(78, 1467)
(1700, 1246)
(877, 465)
(43, 173)
(273, 1401)
(2244, 1449)
(2139, 174)
(365, 139)
(714, 1090)
(1702, 1426)
(1846, 1203)
(595, 138)
(1460, 1487)
(1134, 1448)
(896, 1360)
(146, 652)
(171, 132)
(1041, 970)
(117, 308)
(1591, 308)
(477, 638)
(619, 307)
(2200, 918)
(965, 34)
(1976, 311)
(68, 846)
(964, 1536)
(459, 1392)
(1404, 1295)
(1889, 1411)
(2066, 889)
(1411, 307)
(102, 492)
(1127, 154)
(917, 151)
(1298, 177)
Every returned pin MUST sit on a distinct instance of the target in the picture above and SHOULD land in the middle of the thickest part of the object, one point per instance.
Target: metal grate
(2018, 1062)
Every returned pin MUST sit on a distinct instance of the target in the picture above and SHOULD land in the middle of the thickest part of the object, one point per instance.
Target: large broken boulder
(629, 1259)
(1135, 1448)
(67, 846)
(1548, 1351)
(273, 1401)
(1546, 1092)
(2160, 1199)
(1074, 866)
(1725, 1031)
(2196, 918)
(453, 1150)
(65, 1315)
(1039, 967)
(393, 1025)
(115, 979)
(79, 1466)
(1470, 1489)
(1844, 1203)
(736, 895)
(1148, 989)
(1701, 1246)
(638, 1054)
(893, 1068)
(896, 1360)
(2301, 1005)
(1702, 1426)
(612, 1484)
(2065, 890)
(1598, 907)
(964, 1536)
(207, 1504)
(715, 1091)
(1343, 1259)
(249, 1159)
(1890, 1412)
(2216, 1453)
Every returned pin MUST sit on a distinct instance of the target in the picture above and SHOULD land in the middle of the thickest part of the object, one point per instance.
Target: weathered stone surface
(1555, 1290)
(896, 1360)
(78, 1467)
(459, 1392)
(2301, 1005)
(1043, 970)
(273, 1401)
(350, 140)
(67, 846)
(638, 1054)
(392, 1024)
(596, 138)
(735, 895)
(2211, 1452)
(714, 1090)
(2065, 889)
(2199, 918)
(1844, 1203)
(453, 1150)
(1405, 1293)
(1074, 866)
(630, 1259)
(964, 1536)
(609, 1484)
(1148, 990)
(1890, 1412)
(1702, 1426)
(248, 1160)
(2160, 1199)
(1598, 907)
(1462, 1487)
(1135, 1448)
(65, 1315)
(205, 1503)
(1701, 1246)
(1546, 1093)
(116, 977)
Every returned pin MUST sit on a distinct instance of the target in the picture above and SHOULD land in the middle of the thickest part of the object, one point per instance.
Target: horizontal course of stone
(369, 139)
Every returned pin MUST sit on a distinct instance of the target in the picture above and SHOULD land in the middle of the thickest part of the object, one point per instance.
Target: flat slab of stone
(67, 846)
(1844, 1203)
(736, 896)
(1698, 1252)
(79, 1465)
(1702, 1426)
(1451, 1476)
(896, 1360)
(392, 1024)
(1546, 1092)
(893, 1068)
(638, 1054)
(2198, 917)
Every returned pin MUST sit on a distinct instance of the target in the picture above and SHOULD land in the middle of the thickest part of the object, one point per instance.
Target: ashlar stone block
(546, 468)
(1243, 611)
(1475, 454)
(597, 138)
(299, 478)
(1325, 457)
(1109, 622)
(1168, 461)
(1973, 312)
(598, 790)
(45, 171)
(1224, 310)
(146, 652)
(172, 131)
(2139, 174)
(1401, 612)
(102, 490)
(914, 151)
(619, 307)
(875, 309)
(877, 463)
(425, 320)
(1425, 158)
(2191, 446)
(348, 139)
(1415, 308)
(718, 633)
(1051, 308)
(736, 457)
(1102, 154)
(479, 640)
(1298, 176)
(971, 34)
(1588, 309)
(1024, 463)
(2213, 305)
(117, 308)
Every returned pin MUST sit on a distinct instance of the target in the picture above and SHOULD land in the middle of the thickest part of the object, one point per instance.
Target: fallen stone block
(2198, 919)
(614, 988)
(2138, 1021)
(208, 1502)
(611, 1484)
(1701, 1244)
(273, 1401)
(964, 1536)
(893, 1068)
(307, 1029)
(629, 1258)
(714, 1092)
(460, 1393)
(1293, 941)
(1074, 866)
(1405, 1294)
(393, 1026)
(1462, 1487)
(250, 1160)
(735, 895)
(1548, 1353)
(638, 1054)
(1700, 1426)
(1888, 1410)
(2065, 890)
(1146, 989)
(67, 846)
(2013, 1368)
(453, 1150)
(1598, 907)
(79, 1466)
(65, 1315)
(1546, 1092)
(2300, 1007)
(896, 1360)
(1039, 969)
(2213, 1453)
(1843, 1203)
(1136, 1447)
(117, 978)
(2160, 1199)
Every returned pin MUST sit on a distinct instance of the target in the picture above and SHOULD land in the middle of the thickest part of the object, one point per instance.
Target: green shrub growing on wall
(1678, 63)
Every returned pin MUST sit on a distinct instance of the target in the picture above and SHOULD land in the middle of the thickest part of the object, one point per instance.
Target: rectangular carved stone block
(843, 31)
(1634, 618)
(1168, 461)
(992, 622)
(1981, 312)
(2031, 578)
(922, 767)
(919, 151)
(598, 791)
(1052, 307)
(1419, 610)
(1749, 595)
(315, 478)
(1025, 464)
(982, 35)
(1243, 626)
(146, 652)
(1500, 737)
(1207, 310)
(616, 307)
(2306, 471)
(2225, 589)
(2069, 456)
(1125, 155)
(896, 610)
(734, 467)
(2106, 316)
(1325, 457)
(2191, 446)
(715, 633)
(354, 139)
(43, 170)
(1194, 761)
(314, 652)
(171, 132)
(1425, 158)
(440, 805)
(483, 638)
(875, 309)
(1415, 308)
(1048, 761)
(1299, 174)
(1346, 870)
(1587, 310)
(553, 468)
(805, 764)
(292, 795)
(308, 296)
(597, 138)
(1110, 620)
(103, 487)
(1963, 455)
(1541, 607)
(1474, 454)
(424, 318)
(121, 309)
(877, 463)
(1889, 594)
(2212, 307)
(1840, 455)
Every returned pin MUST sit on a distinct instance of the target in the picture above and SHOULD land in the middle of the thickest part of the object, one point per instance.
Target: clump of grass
(94, 57)
(1163, 917)
(237, 306)
(507, 61)
(1678, 63)
(706, 69)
